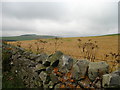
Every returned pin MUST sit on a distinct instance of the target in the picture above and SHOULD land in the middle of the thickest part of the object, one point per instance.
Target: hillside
(26, 37)
(111, 34)
(106, 45)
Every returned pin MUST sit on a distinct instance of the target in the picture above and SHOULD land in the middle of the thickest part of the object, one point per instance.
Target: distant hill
(105, 35)
(26, 37)
(34, 36)
(111, 34)
(29, 35)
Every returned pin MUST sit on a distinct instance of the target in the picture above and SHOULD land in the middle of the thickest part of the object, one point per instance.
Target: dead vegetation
(57, 43)
(18, 43)
(40, 49)
(92, 48)
(89, 49)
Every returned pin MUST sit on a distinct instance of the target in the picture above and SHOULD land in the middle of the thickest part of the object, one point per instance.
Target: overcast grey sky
(59, 17)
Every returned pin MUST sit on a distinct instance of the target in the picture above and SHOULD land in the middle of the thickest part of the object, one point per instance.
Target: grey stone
(95, 68)
(28, 78)
(82, 85)
(49, 69)
(111, 80)
(98, 85)
(38, 83)
(57, 86)
(21, 50)
(63, 69)
(76, 72)
(115, 80)
(16, 56)
(26, 54)
(83, 67)
(116, 72)
(33, 56)
(34, 80)
(54, 78)
(55, 58)
(43, 76)
(45, 86)
(51, 84)
(41, 58)
(66, 61)
(39, 67)
(80, 69)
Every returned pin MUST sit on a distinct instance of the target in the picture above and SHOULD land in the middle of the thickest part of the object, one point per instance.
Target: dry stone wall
(59, 70)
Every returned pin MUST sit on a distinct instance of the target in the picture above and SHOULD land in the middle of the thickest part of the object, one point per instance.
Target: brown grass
(70, 47)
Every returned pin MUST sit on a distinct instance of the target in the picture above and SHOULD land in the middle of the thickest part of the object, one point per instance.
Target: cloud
(34, 10)
(0, 19)
(59, 18)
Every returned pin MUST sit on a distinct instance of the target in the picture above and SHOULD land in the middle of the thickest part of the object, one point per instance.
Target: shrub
(57, 43)
(89, 49)
(42, 48)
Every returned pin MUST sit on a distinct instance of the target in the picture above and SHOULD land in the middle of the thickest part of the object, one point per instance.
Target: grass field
(69, 46)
